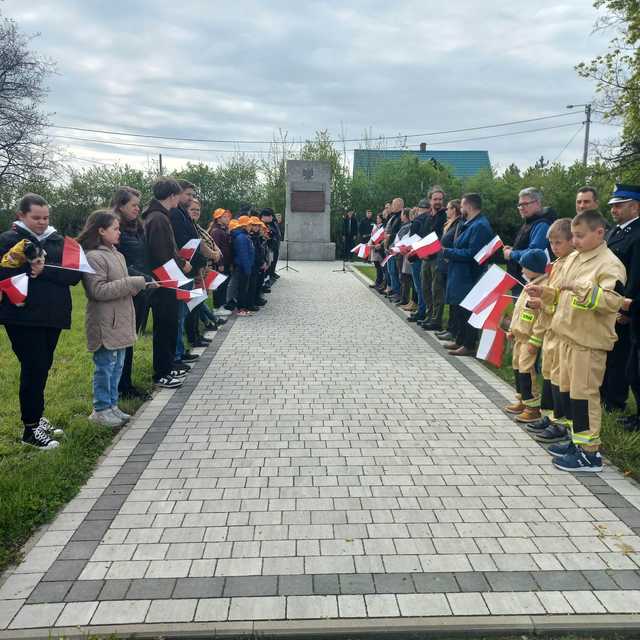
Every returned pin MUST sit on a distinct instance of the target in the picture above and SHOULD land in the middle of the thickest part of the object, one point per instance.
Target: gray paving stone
(394, 582)
(326, 584)
(78, 550)
(435, 582)
(84, 591)
(626, 579)
(599, 580)
(472, 581)
(561, 580)
(251, 586)
(62, 570)
(150, 588)
(198, 588)
(49, 592)
(114, 590)
(356, 583)
(296, 585)
(511, 581)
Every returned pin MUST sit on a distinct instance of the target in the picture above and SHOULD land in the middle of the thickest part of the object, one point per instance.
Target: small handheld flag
(187, 252)
(16, 288)
(170, 275)
(491, 347)
(73, 257)
(214, 280)
(488, 250)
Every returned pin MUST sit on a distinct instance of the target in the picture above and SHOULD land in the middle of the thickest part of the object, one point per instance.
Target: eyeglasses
(522, 205)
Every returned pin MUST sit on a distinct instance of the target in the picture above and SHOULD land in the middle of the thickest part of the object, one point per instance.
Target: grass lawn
(34, 484)
(621, 447)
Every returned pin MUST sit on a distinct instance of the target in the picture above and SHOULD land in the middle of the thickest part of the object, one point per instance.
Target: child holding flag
(525, 352)
(551, 426)
(34, 328)
(587, 301)
(110, 319)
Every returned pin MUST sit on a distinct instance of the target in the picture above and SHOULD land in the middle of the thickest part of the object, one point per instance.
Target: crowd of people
(576, 318)
(123, 246)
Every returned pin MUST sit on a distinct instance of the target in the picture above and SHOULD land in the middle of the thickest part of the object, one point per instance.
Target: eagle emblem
(307, 173)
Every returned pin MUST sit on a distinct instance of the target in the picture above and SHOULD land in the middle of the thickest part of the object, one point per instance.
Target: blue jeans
(183, 312)
(416, 272)
(106, 376)
(392, 267)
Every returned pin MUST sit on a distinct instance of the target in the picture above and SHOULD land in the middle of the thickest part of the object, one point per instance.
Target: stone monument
(307, 223)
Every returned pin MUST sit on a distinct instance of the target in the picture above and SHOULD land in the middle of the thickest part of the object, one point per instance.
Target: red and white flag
(170, 275)
(488, 250)
(188, 294)
(493, 284)
(405, 243)
(362, 251)
(214, 280)
(73, 257)
(199, 296)
(426, 246)
(377, 236)
(490, 317)
(16, 288)
(189, 249)
(549, 266)
(491, 347)
(386, 259)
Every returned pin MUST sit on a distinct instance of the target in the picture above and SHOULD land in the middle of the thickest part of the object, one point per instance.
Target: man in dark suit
(624, 241)
(349, 233)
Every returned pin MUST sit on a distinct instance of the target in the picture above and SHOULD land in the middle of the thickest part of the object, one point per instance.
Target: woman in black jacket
(126, 205)
(34, 328)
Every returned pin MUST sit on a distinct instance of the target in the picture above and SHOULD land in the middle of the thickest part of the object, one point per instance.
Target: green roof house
(463, 164)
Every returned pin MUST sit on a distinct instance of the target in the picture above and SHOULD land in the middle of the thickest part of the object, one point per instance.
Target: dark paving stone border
(610, 498)
(333, 584)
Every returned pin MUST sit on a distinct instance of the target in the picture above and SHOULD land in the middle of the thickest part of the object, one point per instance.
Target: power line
(573, 137)
(270, 142)
(257, 151)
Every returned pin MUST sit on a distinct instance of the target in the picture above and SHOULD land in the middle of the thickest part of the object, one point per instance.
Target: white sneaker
(222, 312)
(106, 418)
(121, 415)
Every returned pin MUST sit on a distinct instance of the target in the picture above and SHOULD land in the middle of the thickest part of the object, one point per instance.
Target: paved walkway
(325, 462)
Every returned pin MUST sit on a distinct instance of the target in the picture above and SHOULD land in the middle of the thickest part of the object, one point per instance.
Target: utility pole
(585, 153)
(587, 127)
(160, 164)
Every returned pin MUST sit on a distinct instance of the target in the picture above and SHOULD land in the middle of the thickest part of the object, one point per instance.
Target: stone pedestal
(308, 212)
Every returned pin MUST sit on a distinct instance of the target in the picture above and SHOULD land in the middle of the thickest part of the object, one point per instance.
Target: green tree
(617, 77)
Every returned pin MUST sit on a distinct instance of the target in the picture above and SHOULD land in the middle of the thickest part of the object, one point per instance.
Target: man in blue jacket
(532, 234)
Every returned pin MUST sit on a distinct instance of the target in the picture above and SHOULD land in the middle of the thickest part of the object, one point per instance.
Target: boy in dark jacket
(161, 247)
(243, 259)
(35, 327)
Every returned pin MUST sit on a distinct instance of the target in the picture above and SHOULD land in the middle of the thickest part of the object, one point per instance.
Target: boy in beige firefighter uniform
(552, 426)
(525, 353)
(586, 303)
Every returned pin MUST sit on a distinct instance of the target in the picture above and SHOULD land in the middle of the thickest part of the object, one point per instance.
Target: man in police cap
(624, 241)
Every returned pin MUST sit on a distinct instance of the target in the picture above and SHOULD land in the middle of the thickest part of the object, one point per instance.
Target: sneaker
(415, 317)
(182, 365)
(189, 357)
(168, 382)
(553, 433)
(49, 429)
(530, 414)
(222, 312)
(560, 450)
(221, 322)
(202, 342)
(580, 462)
(106, 418)
(39, 439)
(121, 415)
(178, 373)
(538, 426)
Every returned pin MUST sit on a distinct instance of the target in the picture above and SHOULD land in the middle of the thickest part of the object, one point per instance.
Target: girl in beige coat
(110, 317)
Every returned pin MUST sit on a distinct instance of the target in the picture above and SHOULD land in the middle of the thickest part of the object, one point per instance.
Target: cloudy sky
(235, 73)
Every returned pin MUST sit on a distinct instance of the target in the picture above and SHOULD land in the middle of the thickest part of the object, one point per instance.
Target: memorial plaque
(307, 201)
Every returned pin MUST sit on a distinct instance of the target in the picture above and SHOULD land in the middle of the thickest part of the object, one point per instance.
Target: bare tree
(23, 143)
